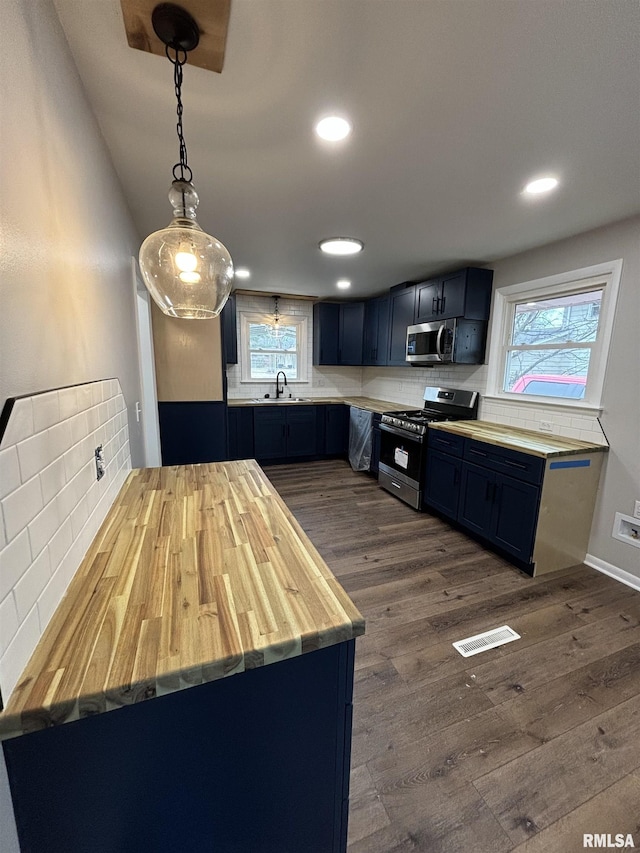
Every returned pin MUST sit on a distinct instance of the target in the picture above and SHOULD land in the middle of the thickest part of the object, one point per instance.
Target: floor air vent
(488, 640)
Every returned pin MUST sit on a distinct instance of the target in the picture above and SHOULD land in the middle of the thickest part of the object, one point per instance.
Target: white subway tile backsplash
(9, 471)
(34, 454)
(44, 526)
(60, 439)
(68, 403)
(9, 621)
(84, 396)
(15, 559)
(21, 506)
(20, 424)
(51, 505)
(32, 584)
(60, 543)
(46, 410)
(52, 479)
(20, 649)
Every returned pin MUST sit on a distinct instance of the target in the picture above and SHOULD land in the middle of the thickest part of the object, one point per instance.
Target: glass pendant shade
(187, 272)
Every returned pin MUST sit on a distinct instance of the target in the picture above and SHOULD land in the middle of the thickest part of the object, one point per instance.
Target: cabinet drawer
(446, 442)
(522, 466)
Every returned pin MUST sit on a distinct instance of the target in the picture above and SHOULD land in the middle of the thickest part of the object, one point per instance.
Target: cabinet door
(326, 330)
(350, 333)
(452, 297)
(476, 490)
(240, 420)
(336, 429)
(269, 432)
(370, 336)
(442, 483)
(515, 516)
(428, 294)
(401, 314)
(229, 330)
(382, 342)
(301, 431)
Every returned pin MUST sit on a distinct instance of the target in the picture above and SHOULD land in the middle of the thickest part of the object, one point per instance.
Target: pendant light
(187, 272)
(276, 318)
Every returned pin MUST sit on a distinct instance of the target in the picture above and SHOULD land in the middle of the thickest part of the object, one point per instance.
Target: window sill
(545, 402)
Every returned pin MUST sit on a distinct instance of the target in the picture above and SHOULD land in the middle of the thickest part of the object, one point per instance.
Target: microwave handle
(439, 341)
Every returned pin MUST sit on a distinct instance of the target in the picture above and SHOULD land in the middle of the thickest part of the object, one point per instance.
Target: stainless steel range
(403, 439)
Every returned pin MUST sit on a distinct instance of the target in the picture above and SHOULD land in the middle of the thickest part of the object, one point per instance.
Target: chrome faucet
(279, 390)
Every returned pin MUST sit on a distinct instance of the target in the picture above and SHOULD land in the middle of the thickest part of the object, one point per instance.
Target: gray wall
(620, 483)
(67, 313)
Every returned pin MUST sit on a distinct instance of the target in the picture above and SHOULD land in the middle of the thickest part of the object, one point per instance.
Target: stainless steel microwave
(457, 340)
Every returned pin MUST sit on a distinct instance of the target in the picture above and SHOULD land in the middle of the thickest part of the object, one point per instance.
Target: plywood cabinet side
(566, 511)
(188, 356)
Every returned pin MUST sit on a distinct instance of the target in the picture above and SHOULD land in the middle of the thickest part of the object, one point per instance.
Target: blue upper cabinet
(402, 299)
(229, 331)
(466, 293)
(337, 332)
(376, 331)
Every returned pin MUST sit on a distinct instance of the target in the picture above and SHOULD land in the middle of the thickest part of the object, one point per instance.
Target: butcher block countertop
(379, 406)
(198, 572)
(527, 441)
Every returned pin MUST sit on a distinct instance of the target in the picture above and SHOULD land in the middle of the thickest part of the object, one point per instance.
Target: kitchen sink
(280, 401)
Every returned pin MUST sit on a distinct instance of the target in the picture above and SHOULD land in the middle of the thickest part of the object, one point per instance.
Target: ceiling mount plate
(212, 18)
(175, 27)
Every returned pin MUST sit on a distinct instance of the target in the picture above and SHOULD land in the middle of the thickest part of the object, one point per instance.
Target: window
(550, 337)
(267, 349)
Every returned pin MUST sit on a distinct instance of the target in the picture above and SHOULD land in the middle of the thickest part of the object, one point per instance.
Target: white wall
(620, 483)
(67, 313)
(67, 310)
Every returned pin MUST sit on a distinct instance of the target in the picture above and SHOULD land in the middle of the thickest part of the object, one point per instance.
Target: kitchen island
(193, 690)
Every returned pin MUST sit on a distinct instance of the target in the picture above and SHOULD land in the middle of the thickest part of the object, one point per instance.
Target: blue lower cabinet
(442, 483)
(283, 432)
(336, 429)
(301, 431)
(240, 420)
(256, 762)
(270, 432)
(193, 432)
(501, 509)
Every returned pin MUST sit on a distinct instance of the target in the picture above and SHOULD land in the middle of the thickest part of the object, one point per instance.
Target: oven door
(402, 454)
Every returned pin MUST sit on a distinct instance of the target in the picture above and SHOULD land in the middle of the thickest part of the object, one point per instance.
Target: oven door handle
(410, 436)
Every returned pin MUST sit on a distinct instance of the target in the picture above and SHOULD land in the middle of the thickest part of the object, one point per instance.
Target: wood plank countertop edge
(369, 403)
(198, 572)
(516, 438)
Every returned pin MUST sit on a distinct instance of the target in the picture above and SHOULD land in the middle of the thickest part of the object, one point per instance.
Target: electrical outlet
(546, 426)
(99, 456)
(636, 510)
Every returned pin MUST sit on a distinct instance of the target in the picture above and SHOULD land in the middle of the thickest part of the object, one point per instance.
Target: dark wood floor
(522, 748)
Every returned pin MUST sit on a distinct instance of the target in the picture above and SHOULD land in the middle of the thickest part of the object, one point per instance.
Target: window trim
(606, 275)
(247, 317)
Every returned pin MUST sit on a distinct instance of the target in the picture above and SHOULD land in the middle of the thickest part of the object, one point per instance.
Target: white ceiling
(455, 104)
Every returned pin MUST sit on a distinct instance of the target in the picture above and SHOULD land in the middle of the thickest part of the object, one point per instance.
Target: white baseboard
(613, 571)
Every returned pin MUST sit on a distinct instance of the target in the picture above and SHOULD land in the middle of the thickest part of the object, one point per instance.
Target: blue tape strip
(578, 463)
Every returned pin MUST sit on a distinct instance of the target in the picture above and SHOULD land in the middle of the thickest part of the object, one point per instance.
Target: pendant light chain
(181, 170)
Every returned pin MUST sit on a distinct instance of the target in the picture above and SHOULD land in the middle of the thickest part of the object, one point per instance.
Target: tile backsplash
(51, 504)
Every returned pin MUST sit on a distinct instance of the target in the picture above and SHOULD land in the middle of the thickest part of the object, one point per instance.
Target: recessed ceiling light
(333, 128)
(343, 284)
(242, 272)
(341, 246)
(541, 185)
